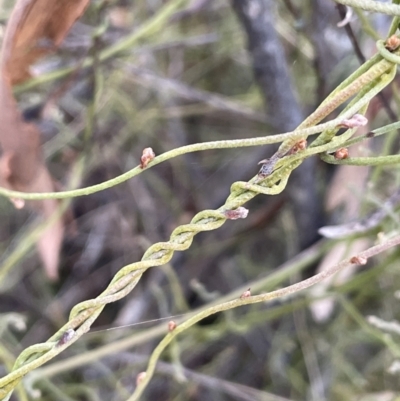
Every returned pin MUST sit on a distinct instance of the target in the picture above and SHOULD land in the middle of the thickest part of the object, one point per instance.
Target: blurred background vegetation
(214, 69)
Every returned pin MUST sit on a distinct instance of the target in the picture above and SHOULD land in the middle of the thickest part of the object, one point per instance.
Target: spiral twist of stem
(85, 313)
(379, 73)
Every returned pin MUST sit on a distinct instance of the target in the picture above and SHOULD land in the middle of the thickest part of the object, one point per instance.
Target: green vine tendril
(362, 86)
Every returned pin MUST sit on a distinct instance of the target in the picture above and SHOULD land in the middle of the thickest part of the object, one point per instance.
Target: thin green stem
(374, 75)
(224, 144)
(363, 161)
(280, 274)
(267, 297)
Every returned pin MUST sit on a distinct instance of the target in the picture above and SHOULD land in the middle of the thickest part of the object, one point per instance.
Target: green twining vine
(362, 86)
(247, 300)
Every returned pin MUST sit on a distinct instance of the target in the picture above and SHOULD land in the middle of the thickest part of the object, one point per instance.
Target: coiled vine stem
(365, 83)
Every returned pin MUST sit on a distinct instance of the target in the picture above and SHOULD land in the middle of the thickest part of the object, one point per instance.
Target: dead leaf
(35, 28)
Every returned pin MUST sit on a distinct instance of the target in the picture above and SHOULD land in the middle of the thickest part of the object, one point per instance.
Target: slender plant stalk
(267, 297)
(375, 75)
(280, 274)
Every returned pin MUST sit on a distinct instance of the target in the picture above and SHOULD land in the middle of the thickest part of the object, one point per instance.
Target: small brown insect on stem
(171, 325)
(358, 260)
(267, 167)
(140, 377)
(268, 164)
(66, 337)
(342, 153)
(392, 43)
(147, 156)
(246, 294)
(301, 145)
(239, 213)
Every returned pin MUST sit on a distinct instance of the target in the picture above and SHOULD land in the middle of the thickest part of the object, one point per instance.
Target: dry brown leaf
(35, 28)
